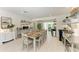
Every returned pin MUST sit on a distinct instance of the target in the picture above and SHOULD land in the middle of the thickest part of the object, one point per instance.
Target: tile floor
(52, 44)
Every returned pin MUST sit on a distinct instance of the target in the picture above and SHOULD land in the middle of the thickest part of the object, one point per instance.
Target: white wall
(15, 17)
(59, 21)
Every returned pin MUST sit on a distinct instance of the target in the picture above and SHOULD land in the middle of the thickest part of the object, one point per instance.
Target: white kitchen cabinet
(6, 36)
(2, 37)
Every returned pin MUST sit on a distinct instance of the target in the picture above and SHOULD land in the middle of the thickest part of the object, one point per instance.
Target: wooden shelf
(68, 38)
(73, 11)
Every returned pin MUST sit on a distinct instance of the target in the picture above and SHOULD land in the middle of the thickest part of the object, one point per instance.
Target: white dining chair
(26, 41)
(38, 40)
(43, 37)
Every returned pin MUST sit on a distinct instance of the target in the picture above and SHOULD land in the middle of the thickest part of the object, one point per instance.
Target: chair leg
(27, 47)
(39, 43)
(23, 47)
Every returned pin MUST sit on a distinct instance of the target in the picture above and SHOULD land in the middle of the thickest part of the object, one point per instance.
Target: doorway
(48, 26)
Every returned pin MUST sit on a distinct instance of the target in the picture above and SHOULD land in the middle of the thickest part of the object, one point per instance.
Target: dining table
(34, 35)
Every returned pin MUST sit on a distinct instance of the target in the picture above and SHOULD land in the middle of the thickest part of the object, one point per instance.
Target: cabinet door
(2, 37)
(8, 36)
(13, 35)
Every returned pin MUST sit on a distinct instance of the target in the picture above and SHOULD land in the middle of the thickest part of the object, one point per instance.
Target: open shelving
(73, 11)
(69, 36)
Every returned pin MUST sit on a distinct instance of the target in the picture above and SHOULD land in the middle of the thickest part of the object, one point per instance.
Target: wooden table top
(35, 34)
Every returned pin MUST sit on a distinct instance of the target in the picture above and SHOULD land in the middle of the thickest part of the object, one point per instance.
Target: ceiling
(37, 12)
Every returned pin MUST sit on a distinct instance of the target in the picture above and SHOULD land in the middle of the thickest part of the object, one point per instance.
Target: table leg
(34, 44)
(72, 47)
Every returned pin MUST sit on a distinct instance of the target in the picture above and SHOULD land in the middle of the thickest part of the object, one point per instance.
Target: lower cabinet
(7, 36)
(2, 37)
